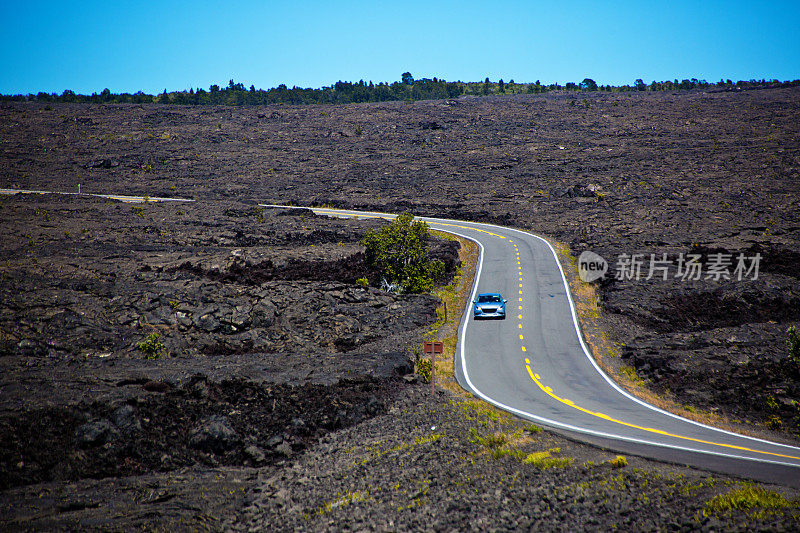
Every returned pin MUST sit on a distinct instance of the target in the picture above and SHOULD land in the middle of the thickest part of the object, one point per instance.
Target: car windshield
(488, 298)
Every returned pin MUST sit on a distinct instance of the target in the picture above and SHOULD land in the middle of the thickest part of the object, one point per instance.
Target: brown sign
(433, 347)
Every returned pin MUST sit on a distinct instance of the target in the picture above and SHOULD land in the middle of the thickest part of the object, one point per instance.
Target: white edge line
(562, 425)
(547, 421)
(617, 387)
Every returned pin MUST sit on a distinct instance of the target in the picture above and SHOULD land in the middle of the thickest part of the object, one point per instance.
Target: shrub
(794, 344)
(773, 422)
(424, 369)
(618, 462)
(151, 347)
(398, 253)
(362, 282)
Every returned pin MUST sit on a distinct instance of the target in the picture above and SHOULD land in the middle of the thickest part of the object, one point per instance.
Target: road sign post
(433, 348)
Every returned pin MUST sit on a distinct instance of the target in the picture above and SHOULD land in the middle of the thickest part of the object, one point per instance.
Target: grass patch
(492, 441)
(755, 502)
(545, 459)
(478, 410)
(342, 500)
(428, 438)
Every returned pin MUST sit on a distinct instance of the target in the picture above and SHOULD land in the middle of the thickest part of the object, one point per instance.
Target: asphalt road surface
(535, 364)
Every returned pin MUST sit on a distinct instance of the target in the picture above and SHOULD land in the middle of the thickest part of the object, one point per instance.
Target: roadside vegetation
(397, 254)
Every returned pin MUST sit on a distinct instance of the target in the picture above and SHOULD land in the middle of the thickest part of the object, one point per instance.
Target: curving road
(536, 365)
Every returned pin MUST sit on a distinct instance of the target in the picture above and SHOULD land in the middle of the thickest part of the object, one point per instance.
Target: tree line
(407, 89)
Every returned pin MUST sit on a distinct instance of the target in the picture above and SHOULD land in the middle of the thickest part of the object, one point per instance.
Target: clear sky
(127, 46)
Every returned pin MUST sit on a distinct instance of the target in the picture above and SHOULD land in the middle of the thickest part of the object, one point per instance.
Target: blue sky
(127, 46)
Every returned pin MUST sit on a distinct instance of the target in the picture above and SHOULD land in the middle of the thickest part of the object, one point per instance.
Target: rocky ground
(273, 363)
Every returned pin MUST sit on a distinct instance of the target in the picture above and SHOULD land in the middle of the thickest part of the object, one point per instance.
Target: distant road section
(121, 198)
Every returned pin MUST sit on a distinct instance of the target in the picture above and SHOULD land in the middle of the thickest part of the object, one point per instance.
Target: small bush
(424, 369)
(618, 462)
(773, 422)
(362, 282)
(532, 428)
(151, 347)
(398, 253)
(772, 404)
(794, 344)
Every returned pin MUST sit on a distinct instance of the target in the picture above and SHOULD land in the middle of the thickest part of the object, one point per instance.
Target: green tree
(397, 252)
(407, 78)
(588, 84)
(501, 86)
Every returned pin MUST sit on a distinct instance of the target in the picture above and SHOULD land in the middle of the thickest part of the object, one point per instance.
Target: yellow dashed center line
(536, 378)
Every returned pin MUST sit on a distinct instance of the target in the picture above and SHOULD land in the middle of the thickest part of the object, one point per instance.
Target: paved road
(535, 365)
(121, 198)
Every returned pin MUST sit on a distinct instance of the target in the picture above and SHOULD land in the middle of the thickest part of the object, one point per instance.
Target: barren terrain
(285, 387)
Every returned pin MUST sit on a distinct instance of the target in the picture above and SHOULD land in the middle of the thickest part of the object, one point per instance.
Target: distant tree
(213, 89)
(487, 86)
(588, 84)
(639, 85)
(407, 78)
(501, 86)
